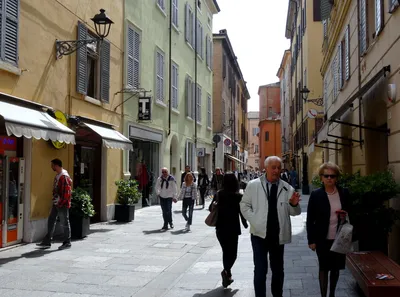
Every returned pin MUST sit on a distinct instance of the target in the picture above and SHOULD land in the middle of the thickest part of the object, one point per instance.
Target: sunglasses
(329, 176)
(164, 171)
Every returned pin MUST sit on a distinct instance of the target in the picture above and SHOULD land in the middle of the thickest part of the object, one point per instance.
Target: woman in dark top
(327, 208)
(228, 224)
(203, 184)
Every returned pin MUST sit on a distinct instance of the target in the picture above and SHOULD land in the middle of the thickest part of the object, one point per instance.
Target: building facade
(270, 122)
(168, 83)
(229, 107)
(304, 29)
(361, 74)
(253, 120)
(286, 127)
(55, 105)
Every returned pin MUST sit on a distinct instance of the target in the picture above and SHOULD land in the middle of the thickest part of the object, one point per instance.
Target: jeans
(202, 194)
(166, 207)
(261, 249)
(63, 214)
(188, 203)
(229, 245)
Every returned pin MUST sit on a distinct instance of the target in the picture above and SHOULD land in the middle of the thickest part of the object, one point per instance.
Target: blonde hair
(330, 166)
(187, 176)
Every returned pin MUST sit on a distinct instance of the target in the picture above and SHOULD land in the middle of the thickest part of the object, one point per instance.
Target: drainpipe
(195, 78)
(170, 68)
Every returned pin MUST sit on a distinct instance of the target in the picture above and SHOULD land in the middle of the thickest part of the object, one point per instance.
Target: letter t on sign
(144, 109)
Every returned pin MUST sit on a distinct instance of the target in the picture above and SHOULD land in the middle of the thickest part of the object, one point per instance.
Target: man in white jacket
(267, 204)
(167, 190)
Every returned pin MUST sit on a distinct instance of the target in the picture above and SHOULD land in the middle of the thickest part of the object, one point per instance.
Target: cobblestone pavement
(136, 259)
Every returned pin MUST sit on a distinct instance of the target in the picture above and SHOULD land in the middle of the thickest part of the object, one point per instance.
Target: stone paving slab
(139, 260)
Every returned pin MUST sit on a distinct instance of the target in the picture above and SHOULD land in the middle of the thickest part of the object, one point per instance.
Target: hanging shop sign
(144, 109)
(312, 113)
(63, 120)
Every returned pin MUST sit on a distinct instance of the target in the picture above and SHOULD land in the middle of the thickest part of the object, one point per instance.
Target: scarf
(166, 180)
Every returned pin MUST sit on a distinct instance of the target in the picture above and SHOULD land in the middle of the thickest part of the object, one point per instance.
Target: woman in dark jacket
(228, 224)
(327, 208)
(203, 184)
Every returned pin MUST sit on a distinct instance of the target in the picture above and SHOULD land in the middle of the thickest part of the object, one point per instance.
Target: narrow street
(137, 259)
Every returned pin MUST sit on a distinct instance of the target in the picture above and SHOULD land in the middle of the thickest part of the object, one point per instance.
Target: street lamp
(304, 94)
(102, 25)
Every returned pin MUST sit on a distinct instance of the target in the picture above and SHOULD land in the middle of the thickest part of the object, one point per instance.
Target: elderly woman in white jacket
(267, 204)
(188, 194)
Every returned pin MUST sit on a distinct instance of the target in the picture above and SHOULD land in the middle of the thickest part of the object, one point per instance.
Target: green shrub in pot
(128, 192)
(81, 204)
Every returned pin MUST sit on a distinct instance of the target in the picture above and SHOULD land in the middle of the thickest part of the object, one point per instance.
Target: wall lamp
(102, 25)
(304, 94)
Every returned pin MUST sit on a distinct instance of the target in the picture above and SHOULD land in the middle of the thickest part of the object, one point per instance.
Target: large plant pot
(80, 226)
(124, 213)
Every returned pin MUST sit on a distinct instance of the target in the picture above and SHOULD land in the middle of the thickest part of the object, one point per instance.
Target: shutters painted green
(160, 76)
(378, 16)
(188, 96)
(105, 56)
(363, 27)
(198, 109)
(9, 19)
(81, 61)
(347, 53)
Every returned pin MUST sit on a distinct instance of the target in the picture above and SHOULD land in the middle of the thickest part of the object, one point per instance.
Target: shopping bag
(343, 240)
(212, 217)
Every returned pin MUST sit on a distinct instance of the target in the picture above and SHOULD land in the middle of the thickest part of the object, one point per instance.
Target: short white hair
(272, 158)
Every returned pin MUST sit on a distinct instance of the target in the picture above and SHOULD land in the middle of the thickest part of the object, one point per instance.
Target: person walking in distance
(166, 190)
(188, 195)
(217, 180)
(187, 170)
(267, 204)
(203, 184)
(228, 224)
(62, 191)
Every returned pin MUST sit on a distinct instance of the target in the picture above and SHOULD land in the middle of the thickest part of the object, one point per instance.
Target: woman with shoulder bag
(327, 209)
(188, 195)
(228, 223)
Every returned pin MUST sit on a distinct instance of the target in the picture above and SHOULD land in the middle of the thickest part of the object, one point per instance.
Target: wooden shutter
(9, 19)
(81, 61)
(340, 65)
(378, 16)
(393, 4)
(325, 9)
(187, 22)
(133, 67)
(347, 53)
(105, 55)
(363, 27)
(194, 107)
(188, 97)
(194, 23)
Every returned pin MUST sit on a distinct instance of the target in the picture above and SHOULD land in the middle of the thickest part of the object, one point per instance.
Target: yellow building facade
(361, 77)
(37, 81)
(304, 29)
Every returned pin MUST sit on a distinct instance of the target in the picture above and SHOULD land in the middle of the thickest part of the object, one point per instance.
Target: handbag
(343, 240)
(212, 217)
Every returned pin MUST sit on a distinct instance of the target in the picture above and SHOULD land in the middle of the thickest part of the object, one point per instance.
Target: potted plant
(80, 213)
(128, 195)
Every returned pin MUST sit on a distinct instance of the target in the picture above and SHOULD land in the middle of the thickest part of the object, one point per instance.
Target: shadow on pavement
(100, 230)
(39, 252)
(148, 232)
(178, 232)
(219, 292)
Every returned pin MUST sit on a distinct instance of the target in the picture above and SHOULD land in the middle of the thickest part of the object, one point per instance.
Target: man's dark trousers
(270, 245)
(63, 214)
(166, 207)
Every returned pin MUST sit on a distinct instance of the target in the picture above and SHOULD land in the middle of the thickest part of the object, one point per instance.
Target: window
(223, 66)
(198, 110)
(175, 11)
(270, 112)
(209, 106)
(371, 22)
(200, 39)
(256, 161)
(133, 67)
(174, 85)
(256, 149)
(189, 25)
(161, 4)
(209, 52)
(160, 76)
(256, 131)
(9, 23)
(93, 66)
(393, 4)
(209, 21)
(189, 97)
(199, 4)
(266, 136)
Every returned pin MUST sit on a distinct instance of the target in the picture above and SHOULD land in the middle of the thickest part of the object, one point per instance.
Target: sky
(257, 35)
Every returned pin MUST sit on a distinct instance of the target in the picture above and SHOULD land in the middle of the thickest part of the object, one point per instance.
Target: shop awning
(111, 138)
(233, 158)
(29, 122)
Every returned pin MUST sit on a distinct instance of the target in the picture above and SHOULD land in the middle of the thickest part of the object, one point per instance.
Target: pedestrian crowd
(264, 202)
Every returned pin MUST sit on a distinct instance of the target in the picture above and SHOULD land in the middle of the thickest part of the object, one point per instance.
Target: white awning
(233, 158)
(111, 138)
(27, 122)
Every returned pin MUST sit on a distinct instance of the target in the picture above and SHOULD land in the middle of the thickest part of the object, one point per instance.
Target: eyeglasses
(329, 176)
(164, 171)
